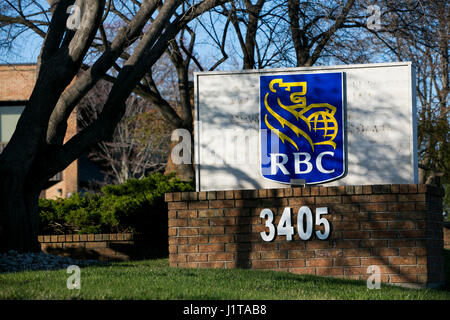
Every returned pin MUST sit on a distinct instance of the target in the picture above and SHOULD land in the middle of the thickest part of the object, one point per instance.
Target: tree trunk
(19, 218)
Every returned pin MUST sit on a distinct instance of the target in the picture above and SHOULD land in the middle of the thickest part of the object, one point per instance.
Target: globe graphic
(324, 121)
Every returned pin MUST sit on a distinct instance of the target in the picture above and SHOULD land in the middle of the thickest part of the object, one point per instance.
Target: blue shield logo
(302, 127)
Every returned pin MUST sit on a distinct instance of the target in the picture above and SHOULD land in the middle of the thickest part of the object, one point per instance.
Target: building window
(9, 116)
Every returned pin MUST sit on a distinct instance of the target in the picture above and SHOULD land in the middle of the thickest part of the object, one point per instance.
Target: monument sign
(340, 125)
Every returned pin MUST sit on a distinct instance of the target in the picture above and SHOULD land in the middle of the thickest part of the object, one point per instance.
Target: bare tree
(414, 31)
(313, 25)
(173, 98)
(257, 30)
(140, 143)
(36, 150)
(418, 31)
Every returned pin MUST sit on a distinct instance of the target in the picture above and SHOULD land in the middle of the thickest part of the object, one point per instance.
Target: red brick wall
(17, 82)
(396, 227)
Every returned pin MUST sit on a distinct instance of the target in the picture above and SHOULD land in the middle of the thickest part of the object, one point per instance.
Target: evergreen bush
(135, 206)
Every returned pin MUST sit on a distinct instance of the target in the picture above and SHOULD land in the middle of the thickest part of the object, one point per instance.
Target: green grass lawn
(154, 279)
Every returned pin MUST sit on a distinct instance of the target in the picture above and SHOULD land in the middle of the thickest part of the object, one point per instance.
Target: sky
(27, 46)
(25, 50)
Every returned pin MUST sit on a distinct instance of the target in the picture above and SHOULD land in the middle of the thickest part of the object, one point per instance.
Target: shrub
(135, 206)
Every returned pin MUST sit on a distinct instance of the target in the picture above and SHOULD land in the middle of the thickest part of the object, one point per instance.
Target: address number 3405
(304, 230)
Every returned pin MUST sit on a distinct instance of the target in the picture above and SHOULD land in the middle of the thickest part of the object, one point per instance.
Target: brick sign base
(395, 227)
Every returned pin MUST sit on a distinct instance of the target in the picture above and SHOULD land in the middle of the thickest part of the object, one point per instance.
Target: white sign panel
(378, 123)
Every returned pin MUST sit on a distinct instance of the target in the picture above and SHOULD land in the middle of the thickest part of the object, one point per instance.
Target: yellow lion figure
(321, 120)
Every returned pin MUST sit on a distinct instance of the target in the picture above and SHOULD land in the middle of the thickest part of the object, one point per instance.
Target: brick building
(16, 84)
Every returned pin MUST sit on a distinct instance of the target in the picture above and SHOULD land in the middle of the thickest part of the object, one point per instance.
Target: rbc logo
(302, 127)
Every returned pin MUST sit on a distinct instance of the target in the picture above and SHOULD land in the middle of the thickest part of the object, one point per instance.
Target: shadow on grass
(294, 278)
(62, 265)
(255, 274)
